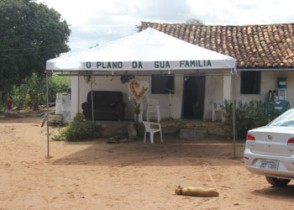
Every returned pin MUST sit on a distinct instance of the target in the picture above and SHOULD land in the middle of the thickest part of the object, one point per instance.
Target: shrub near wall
(248, 115)
(80, 129)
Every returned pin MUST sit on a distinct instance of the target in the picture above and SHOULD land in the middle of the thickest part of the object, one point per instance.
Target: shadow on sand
(173, 151)
(282, 193)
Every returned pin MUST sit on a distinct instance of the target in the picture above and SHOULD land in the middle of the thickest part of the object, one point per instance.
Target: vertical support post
(92, 102)
(78, 104)
(1, 92)
(170, 105)
(48, 146)
(234, 114)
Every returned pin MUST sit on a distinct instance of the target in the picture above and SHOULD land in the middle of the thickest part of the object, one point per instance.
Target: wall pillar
(75, 105)
(227, 87)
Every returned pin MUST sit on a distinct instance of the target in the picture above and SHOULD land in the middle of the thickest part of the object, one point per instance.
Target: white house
(264, 55)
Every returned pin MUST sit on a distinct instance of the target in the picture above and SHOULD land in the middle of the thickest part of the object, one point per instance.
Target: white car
(269, 150)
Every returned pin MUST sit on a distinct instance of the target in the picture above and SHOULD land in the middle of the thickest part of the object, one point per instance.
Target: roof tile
(254, 46)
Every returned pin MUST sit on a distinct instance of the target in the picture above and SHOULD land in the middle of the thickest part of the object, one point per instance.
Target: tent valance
(143, 51)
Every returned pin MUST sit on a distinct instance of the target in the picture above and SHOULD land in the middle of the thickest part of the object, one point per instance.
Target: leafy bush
(58, 84)
(248, 115)
(79, 129)
(33, 91)
(30, 93)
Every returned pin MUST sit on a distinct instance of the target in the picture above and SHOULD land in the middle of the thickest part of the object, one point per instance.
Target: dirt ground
(131, 175)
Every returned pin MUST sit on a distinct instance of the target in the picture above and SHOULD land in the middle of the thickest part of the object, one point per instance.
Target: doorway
(193, 100)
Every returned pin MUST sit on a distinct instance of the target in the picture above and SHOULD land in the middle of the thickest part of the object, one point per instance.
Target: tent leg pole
(234, 130)
(78, 94)
(92, 102)
(48, 147)
(234, 116)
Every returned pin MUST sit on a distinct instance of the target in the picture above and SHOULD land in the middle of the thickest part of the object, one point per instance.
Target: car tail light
(291, 141)
(250, 137)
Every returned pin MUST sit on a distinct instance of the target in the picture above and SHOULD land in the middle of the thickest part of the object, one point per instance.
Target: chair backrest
(152, 103)
(153, 107)
(216, 106)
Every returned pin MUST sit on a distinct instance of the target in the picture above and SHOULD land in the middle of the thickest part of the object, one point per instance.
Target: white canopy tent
(144, 53)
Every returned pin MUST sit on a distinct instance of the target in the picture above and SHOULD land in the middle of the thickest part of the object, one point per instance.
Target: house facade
(264, 54)
(191, 96)
(264, 58)
(182, 77)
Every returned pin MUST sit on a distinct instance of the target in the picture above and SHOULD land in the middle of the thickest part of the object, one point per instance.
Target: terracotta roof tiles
(254, 46)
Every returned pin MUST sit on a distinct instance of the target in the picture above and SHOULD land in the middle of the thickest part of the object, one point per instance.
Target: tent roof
(146, 50)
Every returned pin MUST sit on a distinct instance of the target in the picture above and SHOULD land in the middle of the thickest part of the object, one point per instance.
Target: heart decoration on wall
(138, 89)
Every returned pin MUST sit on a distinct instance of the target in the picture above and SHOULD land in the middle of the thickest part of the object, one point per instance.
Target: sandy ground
(131, 175)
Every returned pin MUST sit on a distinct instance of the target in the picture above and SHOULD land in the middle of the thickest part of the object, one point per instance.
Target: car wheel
(277, 182)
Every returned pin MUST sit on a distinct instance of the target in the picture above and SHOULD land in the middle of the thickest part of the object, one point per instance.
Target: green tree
(193, 21)
(31, 33)
(33, 92)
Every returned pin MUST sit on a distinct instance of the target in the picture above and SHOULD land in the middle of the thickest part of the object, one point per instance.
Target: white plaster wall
(217, 88)
(114, 84)
(227, 87)
(175, 110)
(269, 82)
(214, 86)
(213, 92)
(74, 96)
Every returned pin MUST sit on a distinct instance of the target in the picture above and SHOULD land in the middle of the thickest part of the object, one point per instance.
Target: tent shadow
(172, 151)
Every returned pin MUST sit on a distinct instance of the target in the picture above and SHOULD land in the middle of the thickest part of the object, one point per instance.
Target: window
(162, 84)
(250, 82)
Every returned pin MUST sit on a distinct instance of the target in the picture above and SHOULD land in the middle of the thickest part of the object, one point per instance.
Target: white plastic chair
(152, 128)
(215, 109)
(153, 108)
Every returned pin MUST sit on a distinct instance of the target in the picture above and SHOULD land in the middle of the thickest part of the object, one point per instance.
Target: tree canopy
(31, 33)
(194, 21)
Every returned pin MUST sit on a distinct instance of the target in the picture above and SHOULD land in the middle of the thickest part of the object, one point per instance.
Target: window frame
(250, 83)
(162, 80)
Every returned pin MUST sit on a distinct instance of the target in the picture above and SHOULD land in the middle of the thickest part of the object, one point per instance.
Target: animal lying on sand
(196, 191)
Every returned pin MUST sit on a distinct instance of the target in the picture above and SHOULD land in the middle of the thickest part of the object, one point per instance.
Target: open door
(193, 100)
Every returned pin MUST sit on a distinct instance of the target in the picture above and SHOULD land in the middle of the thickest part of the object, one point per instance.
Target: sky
(94, 22)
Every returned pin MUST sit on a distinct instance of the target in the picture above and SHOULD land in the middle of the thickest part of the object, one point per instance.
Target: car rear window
(286, 119)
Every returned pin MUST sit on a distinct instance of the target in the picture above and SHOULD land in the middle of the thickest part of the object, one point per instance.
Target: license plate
(269, 164)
